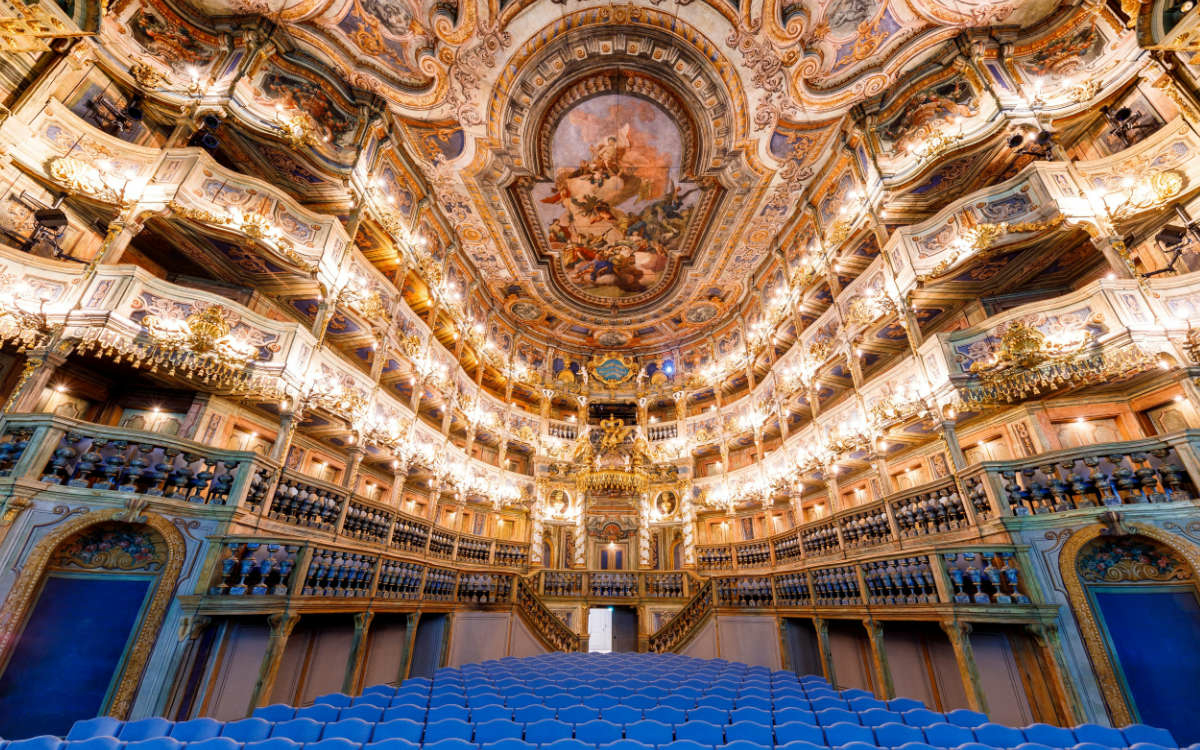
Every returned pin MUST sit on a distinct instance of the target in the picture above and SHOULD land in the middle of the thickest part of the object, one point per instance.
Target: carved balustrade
(609, 584)
(256, 568)
(300, 500)
(547, 625)
(676, 631)
(1108, 474)
(72, 453)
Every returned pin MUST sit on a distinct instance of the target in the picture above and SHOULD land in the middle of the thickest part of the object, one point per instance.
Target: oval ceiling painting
(617, 211)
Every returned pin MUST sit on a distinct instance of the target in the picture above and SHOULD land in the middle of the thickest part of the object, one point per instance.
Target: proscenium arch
(1119, 709)
(19, 603)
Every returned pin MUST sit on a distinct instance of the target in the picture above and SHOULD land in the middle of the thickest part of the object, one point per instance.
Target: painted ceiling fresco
(606, 174)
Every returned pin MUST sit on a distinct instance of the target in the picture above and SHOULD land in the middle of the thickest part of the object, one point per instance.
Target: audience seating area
(599, 702)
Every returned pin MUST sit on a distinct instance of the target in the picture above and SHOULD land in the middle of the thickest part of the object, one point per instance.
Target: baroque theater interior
(833, 363)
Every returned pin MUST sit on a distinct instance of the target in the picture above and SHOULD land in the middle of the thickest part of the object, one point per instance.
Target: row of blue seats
(684, 692)
(602, 732)
(621, 714)
(47, 742)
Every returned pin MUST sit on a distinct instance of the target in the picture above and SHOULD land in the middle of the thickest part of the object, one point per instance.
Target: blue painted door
(1154, 632)
(68, 657)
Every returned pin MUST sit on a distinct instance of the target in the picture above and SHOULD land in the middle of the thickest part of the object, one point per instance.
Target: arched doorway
(81, 620)
(1135, 593)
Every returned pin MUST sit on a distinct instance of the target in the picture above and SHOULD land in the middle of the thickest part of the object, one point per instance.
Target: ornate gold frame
(1093, 639)
(20, 599)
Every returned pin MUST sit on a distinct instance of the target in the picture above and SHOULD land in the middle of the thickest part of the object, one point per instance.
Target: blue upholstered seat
(621, 714)
(546, 731)
(567, 743)
(530, 714)
(42, 742)
(578, 714)
(101, 726)
(830, 716)
(844, 732)
(443, 712)
(340, 700)
(947, 735)
(875, 717)
(704, 732)
(273, 743)
(1138, 733)
(801, 745)
(355, 730)
(508, 744)
(964, 717)
(448, 729)
(364, 711)
(145, 729)
(789, 715)
(214, 743)
(155, 743)
(744, 745)
(196, 729)
(998, 736)
(665, 714)
(498, 729)
(300, 730)
(98, 743)
(333, 743)
(318, 712)
(253, 729)
(1094, 733)
(451, 743)
(598, 732)
(798, 731)
(708, 714)
(904, 704)
(626, 744)
(410, 712)
(756, 715)
(895, 735)
(650, 732)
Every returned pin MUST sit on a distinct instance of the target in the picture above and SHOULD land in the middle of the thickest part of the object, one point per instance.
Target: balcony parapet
(979, 502)
(51, 450)
(626, 585)
(46, 451)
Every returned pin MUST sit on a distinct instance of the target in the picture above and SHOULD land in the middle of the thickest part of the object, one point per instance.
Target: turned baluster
(1173, 476)
(1083, 489)
(956, 577)
(1038, 492)
(1060, 488)
(229, 564)
(89, 468)
(175, 476)
(1125, 484)
(245, 568)
(1014, 493)
(1147, 479)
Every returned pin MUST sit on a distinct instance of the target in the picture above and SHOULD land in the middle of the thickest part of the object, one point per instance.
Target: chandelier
(613, 481)
(206, 333)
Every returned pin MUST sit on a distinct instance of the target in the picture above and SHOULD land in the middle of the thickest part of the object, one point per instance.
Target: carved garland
(1093, 639)
(21, 597)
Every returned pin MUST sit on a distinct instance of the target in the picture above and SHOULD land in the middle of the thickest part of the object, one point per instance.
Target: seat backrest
(751, 731)
(948, 735)
(704, 732)
(195, 730)
(1136, 733)
(650, 731)
(597, 732)
(318, 712)
(1050, 736)
(964, 717)
(547, 730)
(923, 717)
(1099, 735)
(340, 700)
(215, 743)
(145, 729)
(253, 729)
(578, 714)
(894, 734)
(447, 729)
(844, 732)
(334, 743)
(364, 711)
(997, 735)
(101, 726)
(797, 731)
(404, 729)
(355, 730)
(273, 743)
(300, 730)
(497, 729)
(756, 715)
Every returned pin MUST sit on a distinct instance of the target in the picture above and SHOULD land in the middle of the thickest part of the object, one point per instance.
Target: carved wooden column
(410, 640)
(950, 438)
(40, 367)
(1045, 638)
(887, 686)
(282, 625)
(959, 634)
(821, 626)
(358, 652)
